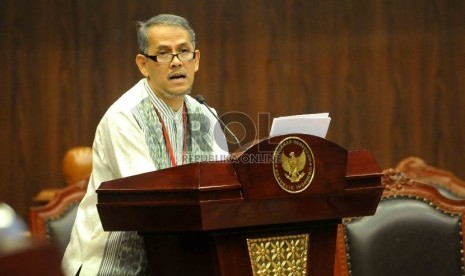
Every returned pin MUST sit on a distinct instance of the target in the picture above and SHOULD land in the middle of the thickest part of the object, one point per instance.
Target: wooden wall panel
(391, 74)
(37, 96)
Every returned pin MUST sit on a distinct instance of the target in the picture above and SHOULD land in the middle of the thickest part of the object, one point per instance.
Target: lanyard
(167, 138)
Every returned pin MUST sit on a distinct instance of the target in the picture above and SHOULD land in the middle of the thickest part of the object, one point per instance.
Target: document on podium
(313, 124)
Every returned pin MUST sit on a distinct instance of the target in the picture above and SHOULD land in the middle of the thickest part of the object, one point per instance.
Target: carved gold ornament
(283, 255)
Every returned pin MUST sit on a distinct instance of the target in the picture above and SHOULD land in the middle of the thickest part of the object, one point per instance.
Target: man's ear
(197, 60)
(141, 62)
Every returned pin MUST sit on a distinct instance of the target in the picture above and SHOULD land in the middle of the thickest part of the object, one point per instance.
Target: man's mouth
(177, 76)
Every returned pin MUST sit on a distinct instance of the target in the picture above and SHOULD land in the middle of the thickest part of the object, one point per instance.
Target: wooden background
(391, 73)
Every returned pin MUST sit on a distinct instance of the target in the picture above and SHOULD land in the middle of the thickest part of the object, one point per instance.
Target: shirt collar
(161, 106)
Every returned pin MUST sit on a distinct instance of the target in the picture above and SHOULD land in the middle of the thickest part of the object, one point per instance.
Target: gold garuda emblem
(293, 165)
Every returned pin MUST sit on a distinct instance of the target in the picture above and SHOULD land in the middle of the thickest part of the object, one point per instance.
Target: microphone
(201, 100)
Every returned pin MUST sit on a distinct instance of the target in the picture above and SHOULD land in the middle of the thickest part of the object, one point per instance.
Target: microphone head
(200, 99)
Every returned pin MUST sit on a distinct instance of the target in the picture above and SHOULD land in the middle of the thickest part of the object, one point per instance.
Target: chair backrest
(55, 220)
(445, 181)
(415, 231)
(77, 164)
(77, 167)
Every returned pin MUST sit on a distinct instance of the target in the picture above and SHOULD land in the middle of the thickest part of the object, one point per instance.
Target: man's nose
(175, 62)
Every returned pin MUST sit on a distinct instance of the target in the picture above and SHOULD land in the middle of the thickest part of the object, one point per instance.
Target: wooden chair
(415, 231)
(55, 220)
(445, 181)
(77, 166)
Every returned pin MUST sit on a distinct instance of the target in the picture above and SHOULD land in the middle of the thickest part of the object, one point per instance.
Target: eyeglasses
(168, 57)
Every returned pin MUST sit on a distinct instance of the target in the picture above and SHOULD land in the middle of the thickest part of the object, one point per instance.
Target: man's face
(174, 78)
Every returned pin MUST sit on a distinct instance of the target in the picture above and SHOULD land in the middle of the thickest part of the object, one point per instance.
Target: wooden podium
(272, 209)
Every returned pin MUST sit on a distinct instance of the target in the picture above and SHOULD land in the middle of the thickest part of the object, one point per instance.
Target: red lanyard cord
(166, 137)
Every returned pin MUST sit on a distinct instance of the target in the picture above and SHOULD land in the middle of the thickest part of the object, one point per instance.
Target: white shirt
(128, 141)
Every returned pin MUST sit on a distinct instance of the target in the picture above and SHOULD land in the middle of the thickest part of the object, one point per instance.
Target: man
(154, 125)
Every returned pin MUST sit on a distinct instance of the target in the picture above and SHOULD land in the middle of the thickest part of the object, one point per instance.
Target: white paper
(313, 124)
